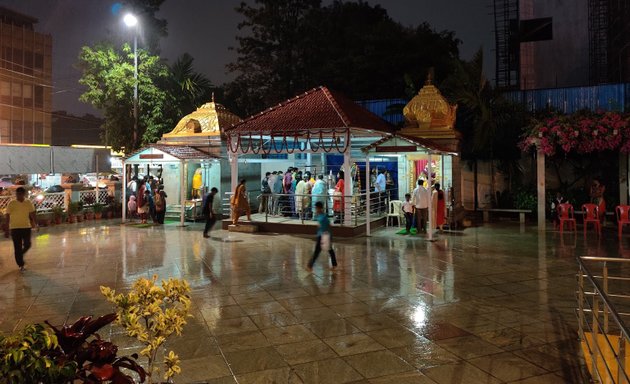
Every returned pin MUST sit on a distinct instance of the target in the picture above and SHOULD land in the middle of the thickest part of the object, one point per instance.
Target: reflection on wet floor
(485, 305)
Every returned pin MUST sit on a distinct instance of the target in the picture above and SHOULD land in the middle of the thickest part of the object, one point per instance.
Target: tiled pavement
(485, 305)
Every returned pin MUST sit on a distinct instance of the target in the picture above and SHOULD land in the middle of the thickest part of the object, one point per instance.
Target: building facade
(557, 43)
(25, 80)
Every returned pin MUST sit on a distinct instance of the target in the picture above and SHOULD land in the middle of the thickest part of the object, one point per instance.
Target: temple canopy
(319, 120)
(206, 123)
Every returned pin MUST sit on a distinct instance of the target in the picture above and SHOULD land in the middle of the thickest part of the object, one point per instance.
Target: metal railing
(301, 207)
(602, 330)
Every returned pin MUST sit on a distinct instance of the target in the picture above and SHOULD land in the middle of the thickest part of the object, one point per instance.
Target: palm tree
(189, 88)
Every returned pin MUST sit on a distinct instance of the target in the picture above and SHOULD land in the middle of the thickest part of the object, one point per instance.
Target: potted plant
(44, 219)
(80, 212)
(57, 214)
(73, 210)
(152, 313)
(98, 210)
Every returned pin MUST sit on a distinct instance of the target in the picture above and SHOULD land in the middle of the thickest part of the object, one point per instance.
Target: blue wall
(610, 97)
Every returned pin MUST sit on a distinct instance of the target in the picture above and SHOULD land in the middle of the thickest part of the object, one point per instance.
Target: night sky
(206, 28)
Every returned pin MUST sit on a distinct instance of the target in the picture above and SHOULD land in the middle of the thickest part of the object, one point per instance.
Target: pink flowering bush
(581, 133)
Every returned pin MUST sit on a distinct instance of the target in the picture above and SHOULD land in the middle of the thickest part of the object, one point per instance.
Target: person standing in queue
(208, 211)
(240, 203)
(19, 220)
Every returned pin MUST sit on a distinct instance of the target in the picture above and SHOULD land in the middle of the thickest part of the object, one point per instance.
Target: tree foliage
(289, 46)
(108, 75)
(189, 88)
(152, 28)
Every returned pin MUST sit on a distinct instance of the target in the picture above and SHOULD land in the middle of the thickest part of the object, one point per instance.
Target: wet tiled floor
(491, 304)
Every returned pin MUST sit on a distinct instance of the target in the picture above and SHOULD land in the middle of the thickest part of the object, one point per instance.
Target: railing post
(581, 304)
(594, 338)
(621, 361)
(605, 276)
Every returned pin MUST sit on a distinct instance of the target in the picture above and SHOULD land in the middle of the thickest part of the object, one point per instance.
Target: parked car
(54, 189)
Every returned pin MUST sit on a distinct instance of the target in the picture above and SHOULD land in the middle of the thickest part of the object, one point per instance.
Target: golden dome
(207, 120)
(429, 109)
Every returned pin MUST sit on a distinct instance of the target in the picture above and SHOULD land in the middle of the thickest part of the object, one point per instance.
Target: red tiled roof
(182, 152)
(319, 109)
(418, 141)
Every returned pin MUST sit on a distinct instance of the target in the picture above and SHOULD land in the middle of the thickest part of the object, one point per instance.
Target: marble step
(243, 228)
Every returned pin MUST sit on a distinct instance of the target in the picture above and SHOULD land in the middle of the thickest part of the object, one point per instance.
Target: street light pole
(135, 89)
(132, 22)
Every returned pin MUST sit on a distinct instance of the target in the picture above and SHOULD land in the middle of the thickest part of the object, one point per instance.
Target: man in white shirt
(421, 198)
(379, 189)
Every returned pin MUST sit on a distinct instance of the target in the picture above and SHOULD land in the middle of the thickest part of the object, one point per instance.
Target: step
(243, 228)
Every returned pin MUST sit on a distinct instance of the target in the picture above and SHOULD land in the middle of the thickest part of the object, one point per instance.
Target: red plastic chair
(622, 212)
(591, 215)
(565, 215)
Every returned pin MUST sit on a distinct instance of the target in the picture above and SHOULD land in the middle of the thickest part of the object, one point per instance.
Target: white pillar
(623, 178)
(368, 205)
(347, 182)
(124, 193)
(233, 171)
(540, 177)
(430, 221)
(182, 192)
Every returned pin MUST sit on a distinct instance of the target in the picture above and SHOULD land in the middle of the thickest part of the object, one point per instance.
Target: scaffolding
(506, 18)
(598, 27)
(619, 41)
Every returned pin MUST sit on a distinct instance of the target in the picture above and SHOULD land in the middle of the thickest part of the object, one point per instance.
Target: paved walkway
(486, 305)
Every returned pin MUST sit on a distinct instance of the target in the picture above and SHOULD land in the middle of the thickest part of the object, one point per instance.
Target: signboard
(151, 156)
(396, 148)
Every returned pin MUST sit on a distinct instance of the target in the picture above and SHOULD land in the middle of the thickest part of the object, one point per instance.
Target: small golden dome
(429, 109)
(207, 120)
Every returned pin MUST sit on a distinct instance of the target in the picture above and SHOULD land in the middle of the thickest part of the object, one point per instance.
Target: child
(407, 208)
(323, 236)
(132, 207)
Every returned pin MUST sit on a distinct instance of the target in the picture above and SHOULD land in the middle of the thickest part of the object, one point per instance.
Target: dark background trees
(289, 46)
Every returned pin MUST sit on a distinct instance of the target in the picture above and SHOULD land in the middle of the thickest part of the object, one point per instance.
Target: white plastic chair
(395, 211)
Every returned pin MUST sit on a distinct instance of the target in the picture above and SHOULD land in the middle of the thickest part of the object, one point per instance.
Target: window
(18, 60)
(5, 92)
(28, 132)
(39, 133)
(16, 131)
(16, 92)
(7, 57)
(39, 62)
(28, 62)
(5, 131)
(39, 96)
(27, 94)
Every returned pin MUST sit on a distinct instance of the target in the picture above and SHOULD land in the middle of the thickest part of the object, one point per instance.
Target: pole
(540, 175)
(368, 205)
(430, 177)
(182, 192)
(135, 89)
(124, 194)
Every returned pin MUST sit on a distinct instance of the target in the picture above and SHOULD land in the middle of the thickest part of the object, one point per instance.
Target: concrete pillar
(347, 182)
(233, 171)
(182, 192)
(368, 205)
(623, 178)
(540, 186)
(430, 181)
(124, 193)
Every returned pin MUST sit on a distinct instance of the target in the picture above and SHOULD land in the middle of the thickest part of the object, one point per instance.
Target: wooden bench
(521, 213)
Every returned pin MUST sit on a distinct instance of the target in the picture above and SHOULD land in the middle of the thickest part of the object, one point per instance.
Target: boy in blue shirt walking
(322, 231)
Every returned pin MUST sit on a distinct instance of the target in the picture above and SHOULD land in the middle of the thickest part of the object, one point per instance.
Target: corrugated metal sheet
(609, 97)
(30, 160)
(389, 110)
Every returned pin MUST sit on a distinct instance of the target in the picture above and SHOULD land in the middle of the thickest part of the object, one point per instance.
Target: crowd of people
(147, 199)
(416, 208)
(294, 193)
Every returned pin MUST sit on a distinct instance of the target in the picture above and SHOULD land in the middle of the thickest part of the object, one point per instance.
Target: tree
(270, 63)
(353, 47)
(189, 88)
(491, 126)
(108, 74)
(152, 28)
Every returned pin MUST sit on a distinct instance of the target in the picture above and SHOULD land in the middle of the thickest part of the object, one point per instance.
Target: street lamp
(132, 22)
